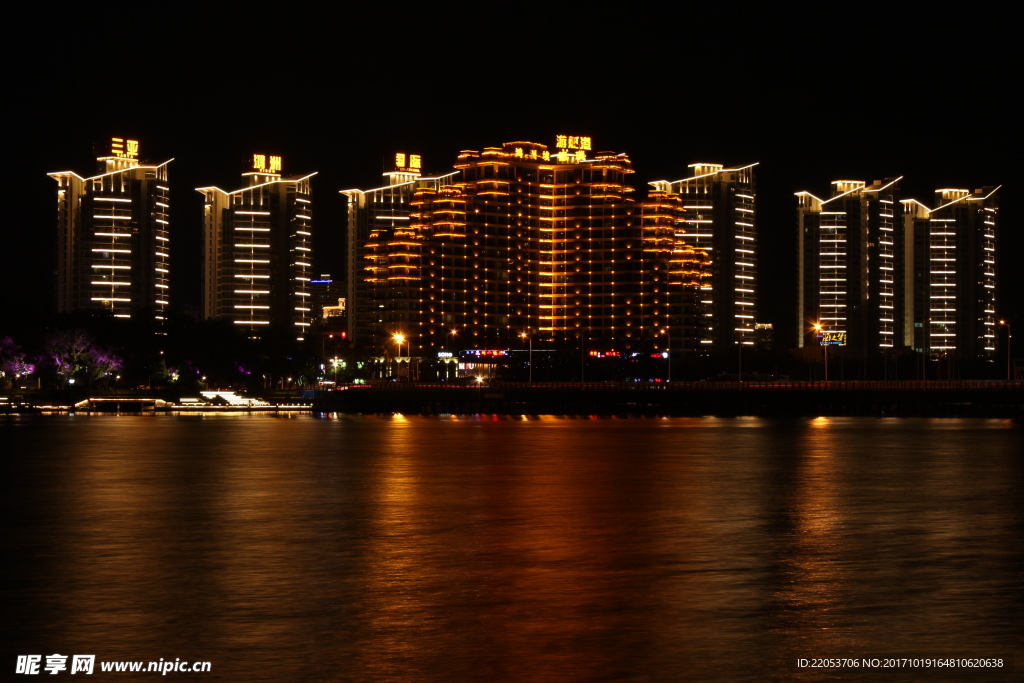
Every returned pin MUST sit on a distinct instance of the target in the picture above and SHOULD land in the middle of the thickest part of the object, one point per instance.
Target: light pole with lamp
(1009, 349)
(824, 348)
(529, 337)
(399, 339)
(450, 336)
(668, 353)
(739, 362)
(583, 355)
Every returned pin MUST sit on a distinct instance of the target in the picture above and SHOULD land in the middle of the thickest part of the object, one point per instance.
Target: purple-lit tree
(13, 363)
(69, 350)
(102, 363)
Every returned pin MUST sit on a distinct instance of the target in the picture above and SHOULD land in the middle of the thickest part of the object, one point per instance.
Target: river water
(361, 548)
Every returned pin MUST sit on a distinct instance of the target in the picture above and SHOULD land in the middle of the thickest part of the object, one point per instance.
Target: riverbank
(998, 399)
(922, 399)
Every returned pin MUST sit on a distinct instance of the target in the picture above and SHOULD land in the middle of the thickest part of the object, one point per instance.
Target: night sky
(854, 92)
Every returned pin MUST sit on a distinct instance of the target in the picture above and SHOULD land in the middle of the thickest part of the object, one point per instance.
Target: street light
(528, 336)
(824, 348)
(1009, 349)
(739, 362)
(668, 352)
(450, 336)
(399, 339)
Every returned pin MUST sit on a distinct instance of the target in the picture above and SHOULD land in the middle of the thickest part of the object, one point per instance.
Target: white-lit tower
(258, 251)
(721, 219)
(113, 238)
(852, 266)
(955, 253)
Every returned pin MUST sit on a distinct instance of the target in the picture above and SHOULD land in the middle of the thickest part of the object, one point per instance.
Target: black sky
(817, 94)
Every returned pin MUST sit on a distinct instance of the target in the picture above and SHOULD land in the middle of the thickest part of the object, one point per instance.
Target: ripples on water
(434, 549)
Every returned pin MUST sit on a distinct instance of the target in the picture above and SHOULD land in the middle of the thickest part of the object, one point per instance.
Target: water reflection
(407, 548)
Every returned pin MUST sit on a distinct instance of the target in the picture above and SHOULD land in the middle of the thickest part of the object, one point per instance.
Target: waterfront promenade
(894, 398)
(996, 398)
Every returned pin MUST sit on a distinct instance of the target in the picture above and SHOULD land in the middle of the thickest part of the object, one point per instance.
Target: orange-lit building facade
(552, 243)
(113, 237)
(258, 251)
(373, 212)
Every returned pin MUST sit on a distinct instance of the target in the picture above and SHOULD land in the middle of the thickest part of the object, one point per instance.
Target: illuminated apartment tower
(852, 264)
(525, 240)
(720, 219)
(113, 244)
(371, 212)
(257, 251)
(954, 270)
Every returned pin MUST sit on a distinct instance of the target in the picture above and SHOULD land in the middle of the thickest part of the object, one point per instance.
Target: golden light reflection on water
(815, 581)
(408, 548)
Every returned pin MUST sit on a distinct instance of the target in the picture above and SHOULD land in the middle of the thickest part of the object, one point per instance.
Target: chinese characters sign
(572, 148)
(265, 164)
(574, 143)
(520, 153)
(833, 339)
(124, 149)
(407, 163)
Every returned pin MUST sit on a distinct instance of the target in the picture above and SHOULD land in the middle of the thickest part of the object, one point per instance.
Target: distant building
(369, 212)
(326, 291)
(720, 218)
(525, 240)
(853, 254)
(764, 336)
(954, 273)
(330, 308)
(331, 312)
(257, 251)
(879, 273)
(113, 237)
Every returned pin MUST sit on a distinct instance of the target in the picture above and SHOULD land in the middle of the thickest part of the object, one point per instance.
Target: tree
(13, 363)
(101, 363)
(69, 350)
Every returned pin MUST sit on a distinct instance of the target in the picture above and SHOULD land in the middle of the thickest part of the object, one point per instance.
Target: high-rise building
(258, 252)
(852, 263)
(326, 291)
(523, 240)
(113, 242)
(370, 212)
(720, 217)
(954, 273)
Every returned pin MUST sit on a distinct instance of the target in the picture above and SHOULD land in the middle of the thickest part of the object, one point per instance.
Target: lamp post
(583, 355)
(450, 337)
(668, 353)
(1009, 349)
(399, 339)
(824, 349)
(739, 362)
(529, 337)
